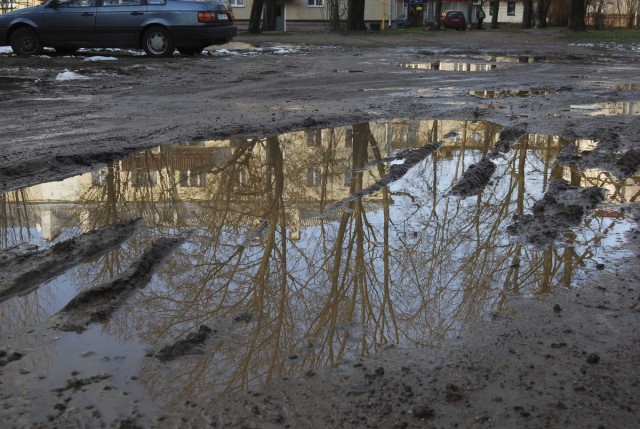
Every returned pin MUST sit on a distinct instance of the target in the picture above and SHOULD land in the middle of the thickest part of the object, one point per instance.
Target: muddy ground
(566, 359)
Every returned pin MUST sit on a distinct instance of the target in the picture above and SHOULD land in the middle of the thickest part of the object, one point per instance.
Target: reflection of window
(193, 178)
(492, 5)
(348, 175)
(237, 3)
(314, 177)
(315, 3)
(511, 8)
(140, 177)
(121, 2)
(314, 137)
(348, 137)
(76, 3)
(99, 178)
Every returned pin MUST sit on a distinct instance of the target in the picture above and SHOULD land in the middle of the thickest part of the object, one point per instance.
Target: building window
(237, 3)
(511, 8)
(314, 177)
(315, 3)
(140, 178)
(193, 178)
(99, 178)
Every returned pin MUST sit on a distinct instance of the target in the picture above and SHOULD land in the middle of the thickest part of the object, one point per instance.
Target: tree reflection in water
(288, 285)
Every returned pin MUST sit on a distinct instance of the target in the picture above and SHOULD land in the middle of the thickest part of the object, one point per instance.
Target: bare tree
(437, 12)
(577, 16)
(542, 10)
(355, 16)
(494, 16)
(631, 6)
(256, 15)
(527, 14)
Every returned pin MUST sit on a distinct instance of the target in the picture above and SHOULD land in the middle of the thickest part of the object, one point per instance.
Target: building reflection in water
(287, 286)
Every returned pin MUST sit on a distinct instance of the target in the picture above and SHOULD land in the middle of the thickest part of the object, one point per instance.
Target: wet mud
(507, 138)
(22, 272)
(99, 303)
(356, 292)
(475, 179)
(562, 207)
(192, 344)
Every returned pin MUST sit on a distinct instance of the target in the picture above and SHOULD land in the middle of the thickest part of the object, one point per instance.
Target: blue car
(157, 26)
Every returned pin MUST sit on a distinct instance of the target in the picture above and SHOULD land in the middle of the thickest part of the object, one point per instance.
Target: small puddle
(499, 93)
(451, 66)
(631, 108)
(300, 250)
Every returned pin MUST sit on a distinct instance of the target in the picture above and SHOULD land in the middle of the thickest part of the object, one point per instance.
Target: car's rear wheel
(190, 51)
(25, 42)
(65, 51)
(157, 42)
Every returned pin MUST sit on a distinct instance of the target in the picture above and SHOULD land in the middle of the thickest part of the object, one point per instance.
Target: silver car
(157, 26)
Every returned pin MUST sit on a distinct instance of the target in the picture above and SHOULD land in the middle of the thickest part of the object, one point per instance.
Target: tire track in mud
(478, 175)
(23, 272)
(397, 171)
(474, 180)
(99, 303)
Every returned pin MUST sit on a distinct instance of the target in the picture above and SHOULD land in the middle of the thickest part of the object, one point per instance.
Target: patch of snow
(99, 58)
(223, 53)
(69, 75)
(6, 50)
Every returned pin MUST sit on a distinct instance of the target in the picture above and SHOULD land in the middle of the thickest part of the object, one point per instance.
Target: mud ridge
(7, 357)
(475, 179)
(562, 207)
(396, 172)
(507, 138)
(22, 272)
(99, 303)
(187, 346)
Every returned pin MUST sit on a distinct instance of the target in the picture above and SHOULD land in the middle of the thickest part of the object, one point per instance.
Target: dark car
(157, 26)
(453, 19)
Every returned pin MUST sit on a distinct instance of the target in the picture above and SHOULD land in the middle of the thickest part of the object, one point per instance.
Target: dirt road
(568, 358)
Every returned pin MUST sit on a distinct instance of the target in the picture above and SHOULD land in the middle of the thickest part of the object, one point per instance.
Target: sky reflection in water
(287, 285)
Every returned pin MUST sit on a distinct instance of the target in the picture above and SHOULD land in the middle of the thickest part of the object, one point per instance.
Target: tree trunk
(527, 14)
(334, 20)
(541, 13)
(577, 17)
(470, 14)
(494, 16)
(355, 16)
(437, 11)
(269, 21)
(256, 15)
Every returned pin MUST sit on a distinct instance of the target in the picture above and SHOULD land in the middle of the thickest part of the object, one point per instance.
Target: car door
(118, 22)
(69, 23)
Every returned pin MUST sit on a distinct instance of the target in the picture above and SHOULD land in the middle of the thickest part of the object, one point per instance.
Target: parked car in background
(157, 26)
(453, 19)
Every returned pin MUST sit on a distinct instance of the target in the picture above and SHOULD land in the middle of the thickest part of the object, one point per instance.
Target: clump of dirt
(507, 138)
(609, 154)
(186, 346)
(563, 206)
(22, 272)
(9, 356)
(475, 179)
(78, 383)
(99, 303)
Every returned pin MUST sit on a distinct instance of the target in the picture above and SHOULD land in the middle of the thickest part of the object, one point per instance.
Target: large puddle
(300, 250)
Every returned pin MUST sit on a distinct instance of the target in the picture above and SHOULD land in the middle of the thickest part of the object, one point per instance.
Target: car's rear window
(456, 15)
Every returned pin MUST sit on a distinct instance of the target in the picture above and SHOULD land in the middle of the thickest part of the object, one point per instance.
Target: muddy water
(300, 250)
